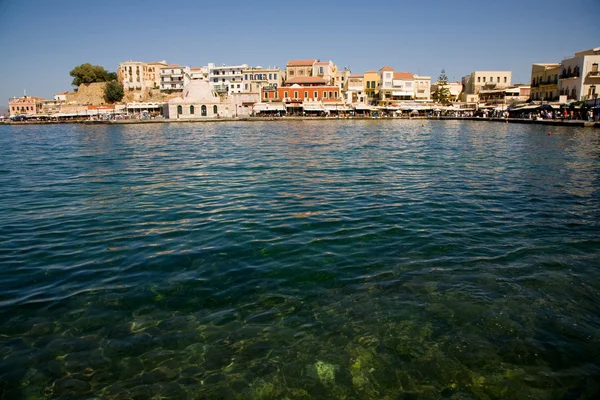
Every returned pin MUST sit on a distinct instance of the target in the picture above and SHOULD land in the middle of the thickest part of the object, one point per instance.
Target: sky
(41, 40)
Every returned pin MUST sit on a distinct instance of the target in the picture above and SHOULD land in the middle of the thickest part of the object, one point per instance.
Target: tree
(113, 92)
(88, 73)
(442, 94)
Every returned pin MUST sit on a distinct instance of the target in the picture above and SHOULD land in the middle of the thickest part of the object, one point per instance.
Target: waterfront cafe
(269, 109)
(153, 108)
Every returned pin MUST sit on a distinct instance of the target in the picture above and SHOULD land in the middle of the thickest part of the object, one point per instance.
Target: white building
(174, 77)
(395, 87)
(226, 79)
(355, 92)
(579, 77)
(422, 88)
(197, 101)
(487, 80)
(198, 73)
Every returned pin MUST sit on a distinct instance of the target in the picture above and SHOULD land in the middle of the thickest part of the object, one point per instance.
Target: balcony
(593, 74)
(571, 75)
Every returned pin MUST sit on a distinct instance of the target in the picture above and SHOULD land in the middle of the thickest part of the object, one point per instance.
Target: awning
(314, 107)
(402, 93)
(363, 107)
(258, 107)
(339, 107)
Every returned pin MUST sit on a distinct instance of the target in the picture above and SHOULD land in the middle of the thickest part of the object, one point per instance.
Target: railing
(594, 73)
(571, 75)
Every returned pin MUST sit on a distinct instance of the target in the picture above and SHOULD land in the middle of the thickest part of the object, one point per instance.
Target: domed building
(197, 101)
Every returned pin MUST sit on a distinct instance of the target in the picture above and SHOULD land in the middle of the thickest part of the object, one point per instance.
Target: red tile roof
(295, 63)
(322, 63)
(305, 79)
(403, 75)
(356, 76)
(386, 68)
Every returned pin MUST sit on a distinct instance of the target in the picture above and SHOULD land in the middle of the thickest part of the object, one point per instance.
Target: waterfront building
(505, 96)
(544, 81)
(309, 97)
(487, 80)
(422, 88)
(579, 77)
(295, 68)
(341, 79)
(26, 105)
(395, 87)
(255, 78)
(326, 70)
(371, 80)
(454, 89)
(174, 77)
(140, 76)
(355, 92)
(198, 100)
(226, 79)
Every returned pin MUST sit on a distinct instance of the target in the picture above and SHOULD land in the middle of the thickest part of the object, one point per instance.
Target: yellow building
(371, 81)
(544, 81)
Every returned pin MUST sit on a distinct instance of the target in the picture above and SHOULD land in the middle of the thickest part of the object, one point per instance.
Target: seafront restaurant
(154, 109)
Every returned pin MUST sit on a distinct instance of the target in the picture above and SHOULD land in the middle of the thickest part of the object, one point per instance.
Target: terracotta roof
(370, 71)
(403, 75)
(301, 62)
(306, 79)
(322, 63)
(386, 68)
(196, 69)
(356, 76)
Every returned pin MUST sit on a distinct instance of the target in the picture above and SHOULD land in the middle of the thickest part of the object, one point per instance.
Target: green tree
(113, 92)
(88, 73)
(442, 94)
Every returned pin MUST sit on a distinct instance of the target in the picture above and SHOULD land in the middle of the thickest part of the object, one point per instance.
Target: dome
(198, 91)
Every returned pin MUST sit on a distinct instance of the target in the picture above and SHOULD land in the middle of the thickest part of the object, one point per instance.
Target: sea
(343, 259)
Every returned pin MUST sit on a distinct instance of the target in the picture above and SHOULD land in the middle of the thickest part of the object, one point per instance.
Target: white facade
(396, 86)
(174, 77)
(197, 101)
(198, 73)
(422, 88)
(226, 78)
(579, 77)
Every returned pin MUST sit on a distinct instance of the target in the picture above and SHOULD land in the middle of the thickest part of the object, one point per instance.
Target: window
(179, 110)
(274, 76)
(504, 79)
(295, 94)
(595, 67)
(316, 94)
(266, 95)
(335, 93)
(498, 79)
(301, 72)
(203, 111)
(215, 110)
(306, 95)
(246, 77)
(491, 79)
(285, 94)
(246, 86)
(191, 109)
(324, 95)
(331, 95)
(291, 72)
(270, 76)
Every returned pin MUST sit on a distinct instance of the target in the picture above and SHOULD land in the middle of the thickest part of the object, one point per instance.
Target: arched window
(179, 110)
(203, 111)
(191, 109)
(215, 110)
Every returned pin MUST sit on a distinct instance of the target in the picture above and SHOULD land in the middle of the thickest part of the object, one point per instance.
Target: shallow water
(308, 259)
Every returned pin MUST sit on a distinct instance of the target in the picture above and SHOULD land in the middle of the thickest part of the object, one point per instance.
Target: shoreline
(572, 123)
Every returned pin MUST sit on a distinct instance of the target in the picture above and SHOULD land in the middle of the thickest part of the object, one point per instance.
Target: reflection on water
(343, 259)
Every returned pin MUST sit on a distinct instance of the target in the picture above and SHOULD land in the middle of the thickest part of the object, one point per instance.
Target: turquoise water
(333, 260)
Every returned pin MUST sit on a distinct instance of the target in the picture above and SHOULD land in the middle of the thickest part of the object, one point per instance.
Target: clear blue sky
(41, 40)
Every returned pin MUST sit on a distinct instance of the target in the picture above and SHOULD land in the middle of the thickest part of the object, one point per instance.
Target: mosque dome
(198, 91)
